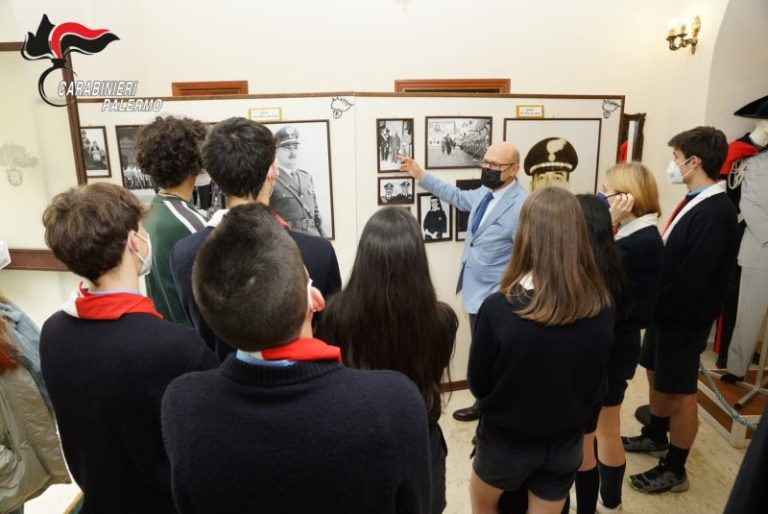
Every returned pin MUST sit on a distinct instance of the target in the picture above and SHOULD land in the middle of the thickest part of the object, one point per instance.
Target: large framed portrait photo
(137, 182)
(435, 218)
(457, 141)
(95, 152)
(393, 137)
(557, 151)
(303, 194)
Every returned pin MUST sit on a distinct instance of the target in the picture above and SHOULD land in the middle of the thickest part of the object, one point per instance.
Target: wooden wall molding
(35, 260)
(218, 87)
(501, 86)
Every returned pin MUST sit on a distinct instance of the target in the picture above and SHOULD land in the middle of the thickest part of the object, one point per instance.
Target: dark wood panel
(34, 260)
(499, 86)
(454, 386)
(220, 87)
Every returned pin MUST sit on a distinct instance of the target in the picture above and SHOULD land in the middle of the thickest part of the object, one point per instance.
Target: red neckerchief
(110, 306)
(303, 350)
(280, 220)
(677, 210)
(737, 150)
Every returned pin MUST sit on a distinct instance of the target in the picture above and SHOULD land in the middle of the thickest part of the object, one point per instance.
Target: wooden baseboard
(454, 386)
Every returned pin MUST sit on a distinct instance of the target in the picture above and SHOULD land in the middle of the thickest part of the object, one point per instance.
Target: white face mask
(673, 171)
(310, 305)
(5, 255)
(146, 264)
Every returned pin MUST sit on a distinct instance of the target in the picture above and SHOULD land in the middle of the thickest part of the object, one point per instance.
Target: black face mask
(491, 178)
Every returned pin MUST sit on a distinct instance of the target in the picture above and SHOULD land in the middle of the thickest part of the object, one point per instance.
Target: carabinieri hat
(551, 154)
(757, 109)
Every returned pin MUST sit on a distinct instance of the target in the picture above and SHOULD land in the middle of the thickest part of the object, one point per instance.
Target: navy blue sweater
(532, 379)
(106, 380)
(697, 264)
(312, 437)
(642, 255)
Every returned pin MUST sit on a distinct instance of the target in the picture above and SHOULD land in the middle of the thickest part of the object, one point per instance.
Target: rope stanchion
(738, 418)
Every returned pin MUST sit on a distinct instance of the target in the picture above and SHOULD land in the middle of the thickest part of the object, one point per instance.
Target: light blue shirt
(251, 359)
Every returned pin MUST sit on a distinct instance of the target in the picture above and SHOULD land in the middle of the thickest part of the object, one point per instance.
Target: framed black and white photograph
(457, 141)
(139, 183)
(462, 217)
(393, 137)
(561, 152)
(435, 218)
(303, 194)
(395, 190)
(95, 152)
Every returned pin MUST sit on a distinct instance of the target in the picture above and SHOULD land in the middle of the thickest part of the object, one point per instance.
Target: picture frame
(456, 142)
(462, 217)
(396, 190)
(394, 136)
(571, 135)
(304, 145)
(434, 227)
(133, 178)
(95, 152)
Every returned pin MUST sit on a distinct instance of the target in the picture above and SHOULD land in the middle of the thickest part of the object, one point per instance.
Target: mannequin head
(760, 134)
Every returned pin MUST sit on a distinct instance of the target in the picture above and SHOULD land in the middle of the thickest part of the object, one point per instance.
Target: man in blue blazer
(494, 209)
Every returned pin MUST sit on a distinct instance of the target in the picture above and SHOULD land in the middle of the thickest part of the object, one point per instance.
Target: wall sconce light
(677, 33)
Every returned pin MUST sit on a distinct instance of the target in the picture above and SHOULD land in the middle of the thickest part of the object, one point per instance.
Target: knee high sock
(611, 480)
(587, 487)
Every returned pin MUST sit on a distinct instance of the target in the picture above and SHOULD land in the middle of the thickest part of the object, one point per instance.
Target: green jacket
(170, 219)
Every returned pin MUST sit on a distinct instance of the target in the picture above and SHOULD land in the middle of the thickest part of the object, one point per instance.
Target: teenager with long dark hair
(608, 261)
(388, 317)
(538, 358)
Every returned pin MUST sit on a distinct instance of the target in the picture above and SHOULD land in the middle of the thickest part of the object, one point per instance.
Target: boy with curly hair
(168, 150)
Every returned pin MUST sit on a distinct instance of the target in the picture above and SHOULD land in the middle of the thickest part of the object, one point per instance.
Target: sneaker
(660, 479)
(643, 444)
(602, 509)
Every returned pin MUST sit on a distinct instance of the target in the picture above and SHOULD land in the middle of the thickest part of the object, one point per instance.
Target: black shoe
(729, 378)
(643, 415)
(659, 480)
(468, 414)
(643, 444)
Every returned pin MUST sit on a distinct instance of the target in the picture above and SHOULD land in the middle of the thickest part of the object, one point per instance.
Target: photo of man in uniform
(294, 195)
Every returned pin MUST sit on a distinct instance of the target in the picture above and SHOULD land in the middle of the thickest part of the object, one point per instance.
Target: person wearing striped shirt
(168, 150)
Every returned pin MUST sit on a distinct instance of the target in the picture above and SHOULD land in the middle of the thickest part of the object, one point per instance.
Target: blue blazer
(488, 251)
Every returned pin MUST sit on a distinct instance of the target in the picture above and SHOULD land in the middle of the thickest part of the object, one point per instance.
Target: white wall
(738, 75)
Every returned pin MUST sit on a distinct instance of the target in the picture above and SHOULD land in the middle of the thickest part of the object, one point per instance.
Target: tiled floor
(712, 467)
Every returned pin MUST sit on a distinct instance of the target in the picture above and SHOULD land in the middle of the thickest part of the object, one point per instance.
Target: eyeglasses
(497, 165)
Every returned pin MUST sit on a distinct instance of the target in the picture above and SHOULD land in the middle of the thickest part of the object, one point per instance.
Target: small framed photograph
(462, 217)
(457, 141)
(435, 218)
(396, 190)
(95, 152)
(139, 183)
(393, 137)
